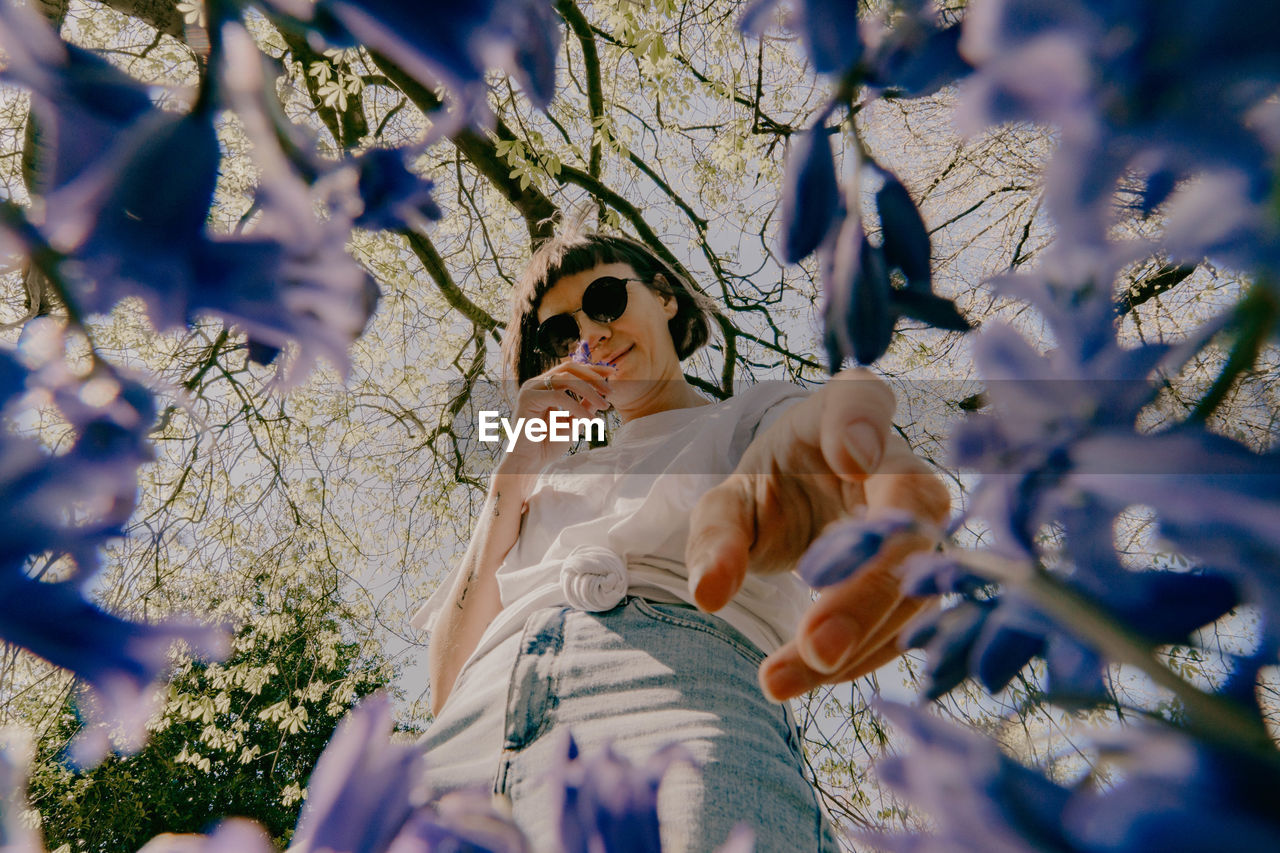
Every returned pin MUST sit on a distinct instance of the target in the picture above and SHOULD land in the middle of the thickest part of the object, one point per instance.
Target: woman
(574, 609)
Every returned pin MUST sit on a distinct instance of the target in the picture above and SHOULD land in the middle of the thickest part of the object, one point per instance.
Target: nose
(591, 331)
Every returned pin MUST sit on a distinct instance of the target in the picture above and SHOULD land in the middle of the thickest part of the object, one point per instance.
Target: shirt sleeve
(777, 409)
(762, 405)
(425, 617)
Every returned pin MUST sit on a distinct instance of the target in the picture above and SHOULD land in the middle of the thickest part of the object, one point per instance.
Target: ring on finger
(546, 384)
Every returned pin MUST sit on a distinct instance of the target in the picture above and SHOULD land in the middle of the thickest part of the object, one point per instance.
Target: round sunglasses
(604, 301)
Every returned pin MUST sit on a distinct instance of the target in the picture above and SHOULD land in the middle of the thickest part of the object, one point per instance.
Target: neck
(660, 396)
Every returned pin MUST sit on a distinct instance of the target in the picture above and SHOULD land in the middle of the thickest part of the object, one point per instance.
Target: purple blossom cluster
(1180, 100)
(365, 796)
(120, 198)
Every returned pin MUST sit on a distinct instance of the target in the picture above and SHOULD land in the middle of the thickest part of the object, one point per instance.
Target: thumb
(722, 530)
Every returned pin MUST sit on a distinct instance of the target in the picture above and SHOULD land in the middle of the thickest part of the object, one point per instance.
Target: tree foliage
(236, 738)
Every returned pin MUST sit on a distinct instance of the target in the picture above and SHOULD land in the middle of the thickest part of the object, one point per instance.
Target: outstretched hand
(830, 456)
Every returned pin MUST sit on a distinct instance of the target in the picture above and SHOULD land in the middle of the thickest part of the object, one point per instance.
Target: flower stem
(1212, 716)
(1255, 318)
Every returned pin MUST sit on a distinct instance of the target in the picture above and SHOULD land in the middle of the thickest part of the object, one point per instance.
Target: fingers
(722, 531)
(850, 629)
(851, 615)
(785, 675)
(586, 383)
(904, 481)
(856, 422)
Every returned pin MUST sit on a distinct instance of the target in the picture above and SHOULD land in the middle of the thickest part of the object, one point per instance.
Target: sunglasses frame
(543, 336)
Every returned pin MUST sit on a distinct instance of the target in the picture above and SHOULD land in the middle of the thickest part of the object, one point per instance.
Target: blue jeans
(639, 677)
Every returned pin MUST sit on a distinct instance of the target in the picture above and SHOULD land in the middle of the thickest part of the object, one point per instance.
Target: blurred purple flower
(1042, 405)
(829, 29)
(73, 501)
(847, 545)
(362, 792)
(916, 57)
(13, 379)
(81, 102)
(1169, 793)
(609, 804)
(1178, 795)
(235, 835)
(913, 57)
(810, 196)
(393, 196)
(978, 798)
(132, 234)
(451, 45)
(126, 233)
(460, 822)
(69, 504)
(831, 37)
(1063, 430)
(119, 660)
(1126, 85)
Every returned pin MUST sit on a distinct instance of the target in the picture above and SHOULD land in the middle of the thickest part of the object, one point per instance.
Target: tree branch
(536, 208)
(435, 267)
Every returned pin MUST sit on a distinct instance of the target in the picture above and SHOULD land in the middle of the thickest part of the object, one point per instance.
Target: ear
(670, 306)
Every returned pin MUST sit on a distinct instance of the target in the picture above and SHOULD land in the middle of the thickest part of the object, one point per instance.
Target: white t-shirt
(613, 521)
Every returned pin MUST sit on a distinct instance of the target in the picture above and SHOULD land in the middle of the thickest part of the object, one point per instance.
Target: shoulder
(758, 406)
(767, 399)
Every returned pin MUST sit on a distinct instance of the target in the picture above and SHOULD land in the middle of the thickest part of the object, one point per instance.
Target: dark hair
(577, 251)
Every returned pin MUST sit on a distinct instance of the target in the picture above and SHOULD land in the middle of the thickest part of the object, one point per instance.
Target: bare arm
(474, 601)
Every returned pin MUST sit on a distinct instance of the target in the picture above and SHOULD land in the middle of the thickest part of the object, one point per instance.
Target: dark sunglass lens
(557, 335)
(606, 299)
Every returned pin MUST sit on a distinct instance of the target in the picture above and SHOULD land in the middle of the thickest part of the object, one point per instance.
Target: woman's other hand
(581, 390)
(827, 457)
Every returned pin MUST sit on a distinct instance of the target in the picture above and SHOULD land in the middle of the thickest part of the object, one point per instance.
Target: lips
(614, 358)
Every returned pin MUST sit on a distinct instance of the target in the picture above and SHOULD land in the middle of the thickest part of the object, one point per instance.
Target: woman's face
(638, 342)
